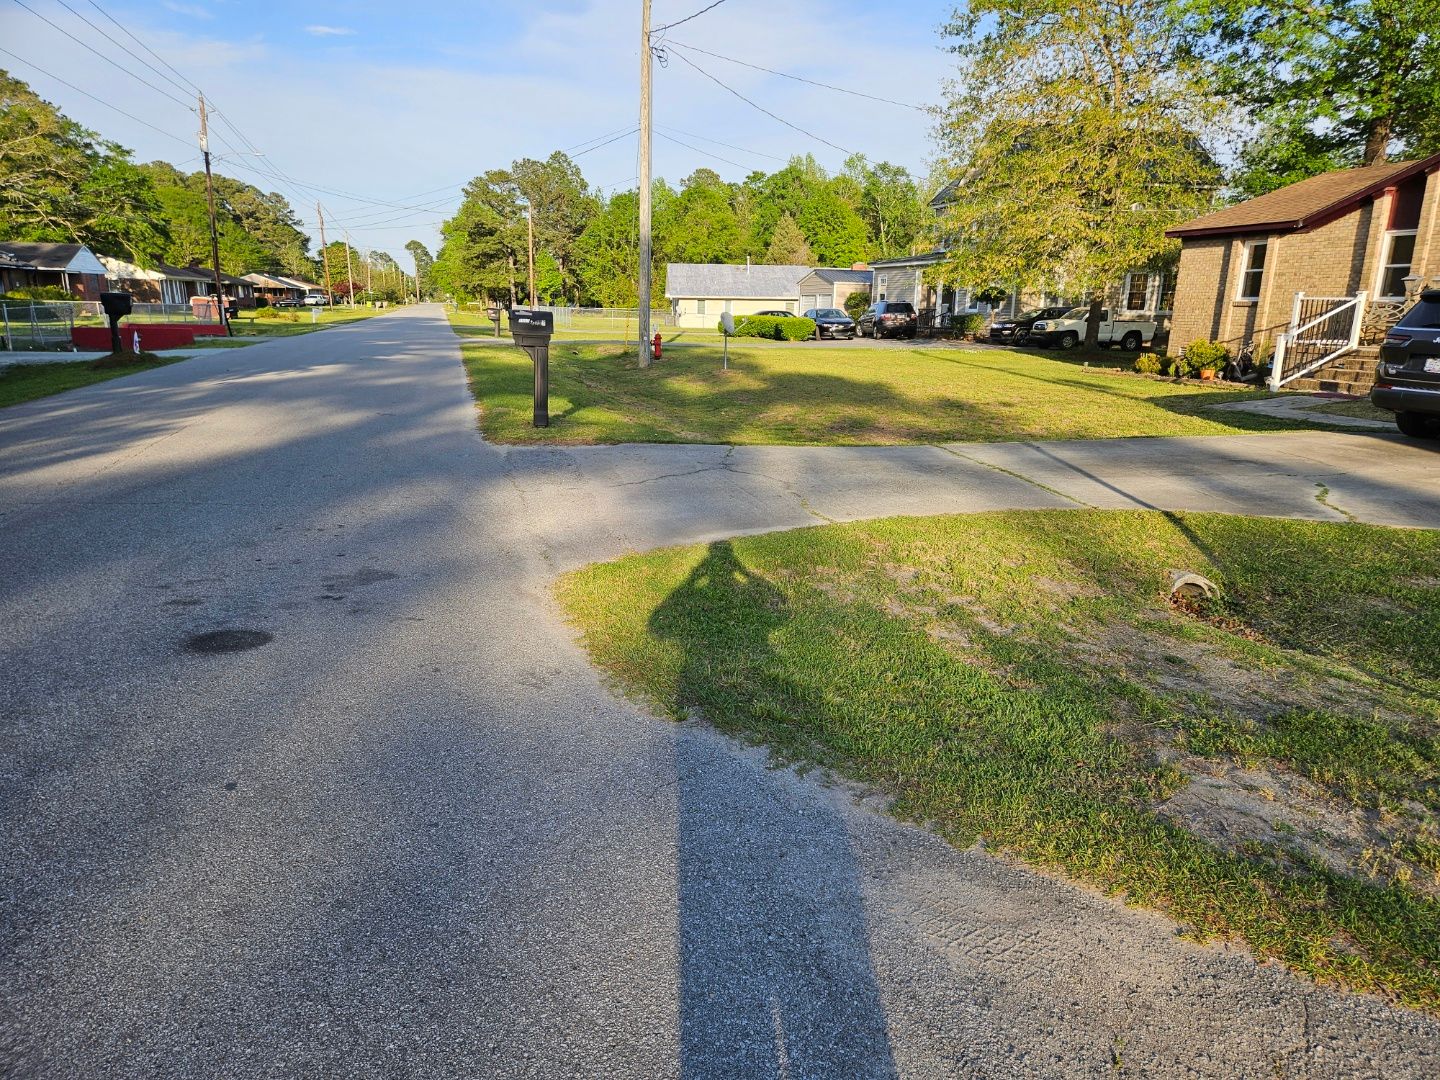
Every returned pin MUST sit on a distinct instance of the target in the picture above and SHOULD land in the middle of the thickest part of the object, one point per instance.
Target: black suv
(1408, 379)
(888, 318)
(1016, 331)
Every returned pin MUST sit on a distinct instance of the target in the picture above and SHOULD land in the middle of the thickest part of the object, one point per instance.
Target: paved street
(414, 835)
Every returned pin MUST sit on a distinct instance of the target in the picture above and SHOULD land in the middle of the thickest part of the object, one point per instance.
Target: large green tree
(1327, 83)
(563, 206)
(423, 263)
(1077, 129)
(61, 182)
(788, 246)
(483, 256)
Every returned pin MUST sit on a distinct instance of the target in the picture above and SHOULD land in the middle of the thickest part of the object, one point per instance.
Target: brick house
(1340, 250)
(72, 267)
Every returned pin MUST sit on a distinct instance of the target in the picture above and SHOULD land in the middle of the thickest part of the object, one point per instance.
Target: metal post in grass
(532, 331)
(727, 327)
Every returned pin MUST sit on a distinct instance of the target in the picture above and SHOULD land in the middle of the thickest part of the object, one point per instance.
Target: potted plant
(1206, 357)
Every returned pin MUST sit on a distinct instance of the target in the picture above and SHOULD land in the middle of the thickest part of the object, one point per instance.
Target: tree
(563, 206)
(701, 225)
(62, 182)
(1330, 83)
(1076, 132)
(423, 264)
(485, 242)
(610, 255)
(788, 246)
(890, 204)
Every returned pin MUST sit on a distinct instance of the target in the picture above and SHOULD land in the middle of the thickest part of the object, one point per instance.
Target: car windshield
(831, 313)
(1423, 316)
(1076, 313)
(900, 308)
(1034, 313)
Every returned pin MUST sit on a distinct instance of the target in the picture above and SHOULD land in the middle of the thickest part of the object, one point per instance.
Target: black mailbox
(532, 331)
(494, 314)
(116, 304)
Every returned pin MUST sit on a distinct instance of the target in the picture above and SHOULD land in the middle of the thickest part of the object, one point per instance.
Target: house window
(1254, 272)
(1137, 291)
(1167, 290)
(880, 287)
(699, 307)
(1399, 257)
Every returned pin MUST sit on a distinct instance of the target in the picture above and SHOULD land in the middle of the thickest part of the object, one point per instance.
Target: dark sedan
(1016, 331)
(831, 322)
(1407, 381)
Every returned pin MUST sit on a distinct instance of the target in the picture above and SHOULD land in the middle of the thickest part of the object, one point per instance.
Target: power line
(607, 142)
(142, 44)
(717, 142)
(92, 97)
(799, 78)
(617, 131)
(761, 108)
(106, 37)
(707, 153)
(687, 18)
(61, 30)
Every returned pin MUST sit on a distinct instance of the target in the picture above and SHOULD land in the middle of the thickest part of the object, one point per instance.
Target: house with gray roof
(72, 267)
(828, 286)
(699, 293)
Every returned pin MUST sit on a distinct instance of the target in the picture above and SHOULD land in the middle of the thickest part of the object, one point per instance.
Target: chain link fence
(46, 325)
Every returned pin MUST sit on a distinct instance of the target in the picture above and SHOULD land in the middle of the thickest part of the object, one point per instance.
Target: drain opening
(223, 641)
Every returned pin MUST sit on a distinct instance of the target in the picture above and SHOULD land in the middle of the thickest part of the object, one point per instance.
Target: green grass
(26, 382)
(268, 322)
(1360, 409)
(806, 393)
(1022, 679)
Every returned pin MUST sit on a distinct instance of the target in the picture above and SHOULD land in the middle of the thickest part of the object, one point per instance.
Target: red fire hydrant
(655, 346)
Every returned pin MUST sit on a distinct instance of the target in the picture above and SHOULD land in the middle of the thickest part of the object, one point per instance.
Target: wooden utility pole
(643, 315)
(530, 224)
(369, 269)
(210, 202)
(324, 251)
(349, 273)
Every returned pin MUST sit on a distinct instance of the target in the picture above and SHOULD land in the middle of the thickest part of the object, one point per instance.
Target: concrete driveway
(412, 834)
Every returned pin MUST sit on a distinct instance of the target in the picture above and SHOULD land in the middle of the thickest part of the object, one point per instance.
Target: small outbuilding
(699, 293)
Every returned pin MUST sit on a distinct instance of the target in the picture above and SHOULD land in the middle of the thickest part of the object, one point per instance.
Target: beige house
(1329, 261)
(830, 286)
(699, 293)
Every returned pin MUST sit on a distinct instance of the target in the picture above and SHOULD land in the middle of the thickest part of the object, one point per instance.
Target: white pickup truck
(1069, 330)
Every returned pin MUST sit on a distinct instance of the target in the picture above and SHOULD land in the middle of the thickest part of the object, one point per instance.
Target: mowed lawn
(807, 393)
(26, 382)
(1265, 767)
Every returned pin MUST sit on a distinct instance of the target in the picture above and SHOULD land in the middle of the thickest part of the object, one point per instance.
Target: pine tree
(788, 246)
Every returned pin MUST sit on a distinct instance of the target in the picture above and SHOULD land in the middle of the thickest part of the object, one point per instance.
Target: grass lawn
(1361, 409)
(26, 382)
(1263, 767)
(807, 393)
(269, 322)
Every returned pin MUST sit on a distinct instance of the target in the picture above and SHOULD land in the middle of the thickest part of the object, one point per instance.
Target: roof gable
(720, 280)
(71, 258)
(1308, 203)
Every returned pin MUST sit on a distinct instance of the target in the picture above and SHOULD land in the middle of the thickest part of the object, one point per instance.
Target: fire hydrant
(655, 346)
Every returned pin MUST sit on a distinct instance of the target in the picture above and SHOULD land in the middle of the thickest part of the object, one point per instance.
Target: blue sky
(404, 103)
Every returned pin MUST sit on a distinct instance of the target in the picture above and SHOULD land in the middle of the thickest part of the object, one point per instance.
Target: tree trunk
(1377, 140)
(1092, 323)
(510, 261)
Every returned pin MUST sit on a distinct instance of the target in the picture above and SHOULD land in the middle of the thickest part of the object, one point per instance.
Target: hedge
(776, 327)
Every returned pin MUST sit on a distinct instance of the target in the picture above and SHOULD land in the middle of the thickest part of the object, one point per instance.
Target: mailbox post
(532, 331)
(494, 314)
(116, 305)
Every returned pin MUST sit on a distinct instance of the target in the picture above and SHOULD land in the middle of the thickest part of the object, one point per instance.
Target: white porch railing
(1322, 328)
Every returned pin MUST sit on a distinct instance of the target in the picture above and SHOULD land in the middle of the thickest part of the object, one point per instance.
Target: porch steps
(1353, 373)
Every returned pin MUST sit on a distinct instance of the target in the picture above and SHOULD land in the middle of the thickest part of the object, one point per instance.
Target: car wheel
(1416, 425)
(1069, 339)
(1131, 341)
(1022, 337)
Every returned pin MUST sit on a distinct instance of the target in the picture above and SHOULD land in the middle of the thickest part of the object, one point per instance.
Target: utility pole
(369, 267)
(349, 273)
(324, 251)
(530, 222)
(643, 315)
(210, 202)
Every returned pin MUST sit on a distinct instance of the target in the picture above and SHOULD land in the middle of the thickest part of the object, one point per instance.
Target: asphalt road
(414, 835)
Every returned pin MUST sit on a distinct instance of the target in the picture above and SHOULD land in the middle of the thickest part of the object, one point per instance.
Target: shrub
(1199, 355)
(39, 292)
(775, 327)
(973, 326)
(856, 303)
(1147, 364)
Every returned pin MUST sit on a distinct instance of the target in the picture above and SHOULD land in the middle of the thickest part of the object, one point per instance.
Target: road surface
(413, 834)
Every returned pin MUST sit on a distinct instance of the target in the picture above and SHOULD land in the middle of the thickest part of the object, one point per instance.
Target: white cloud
(329, 31)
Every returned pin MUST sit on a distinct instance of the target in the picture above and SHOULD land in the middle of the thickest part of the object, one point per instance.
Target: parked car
(317, 300)
(831, 322)
(778, 314)
(287, 302)
(888, 318)
(1016, 330)
(1407, 381)
(1068, 330)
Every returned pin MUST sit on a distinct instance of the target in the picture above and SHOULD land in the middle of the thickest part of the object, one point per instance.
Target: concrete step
(1356, 388)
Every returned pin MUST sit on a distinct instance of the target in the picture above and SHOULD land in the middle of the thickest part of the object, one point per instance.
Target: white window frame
(1130, 279)
(699, 307)
(880, 286)
(1246, 270)
(1382, 271)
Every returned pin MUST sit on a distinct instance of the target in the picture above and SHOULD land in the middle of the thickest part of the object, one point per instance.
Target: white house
(699, 293)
